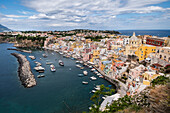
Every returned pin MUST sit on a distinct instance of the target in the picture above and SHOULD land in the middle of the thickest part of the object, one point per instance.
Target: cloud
(15, 16)
(95, 14)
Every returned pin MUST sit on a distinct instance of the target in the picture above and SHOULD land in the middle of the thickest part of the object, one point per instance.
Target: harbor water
(58, 92)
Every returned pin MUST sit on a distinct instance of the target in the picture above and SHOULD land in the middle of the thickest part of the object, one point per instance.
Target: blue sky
(85, 14)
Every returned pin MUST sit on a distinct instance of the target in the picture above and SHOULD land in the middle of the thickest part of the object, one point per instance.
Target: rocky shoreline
(24, 71)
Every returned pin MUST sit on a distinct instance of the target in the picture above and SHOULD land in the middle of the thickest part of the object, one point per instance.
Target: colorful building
(144, 50)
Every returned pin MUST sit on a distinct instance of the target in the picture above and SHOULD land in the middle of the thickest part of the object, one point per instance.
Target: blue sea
(58, 92)
(160, 33)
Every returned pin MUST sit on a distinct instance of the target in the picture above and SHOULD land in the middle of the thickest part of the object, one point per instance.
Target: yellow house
(144, 50)
(96, 53)
(148, 77)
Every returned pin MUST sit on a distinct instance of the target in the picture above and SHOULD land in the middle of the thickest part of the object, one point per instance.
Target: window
(158, 51)
(141, 54)
(152, 49)
(142, 51)
(160, 56)
(164, 57)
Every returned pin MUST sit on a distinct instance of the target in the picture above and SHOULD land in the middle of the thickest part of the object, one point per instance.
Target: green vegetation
(97, 97)
(96, 38)
(161, 80)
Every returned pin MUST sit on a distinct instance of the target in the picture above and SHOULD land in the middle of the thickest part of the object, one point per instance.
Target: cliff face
(3, 28)
(24, 71)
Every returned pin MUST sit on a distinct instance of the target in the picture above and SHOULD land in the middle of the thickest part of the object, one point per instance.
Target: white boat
(48, 63)
(39, 68)
(93, 91)
(52, 53)
(92, 69)
(81, 62)
(97, 88)
(61, 63)
(77, 61)
(84, 82)
(98, 74)
(44, 55)
(78, 66)
(52, 67)
(32, 57)
(38, 64)
(61, 53)
(85, 72)
(93, 78)
(101, 76)
(39, 76)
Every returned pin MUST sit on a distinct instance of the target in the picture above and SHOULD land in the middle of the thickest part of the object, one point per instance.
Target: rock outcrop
(24, 71)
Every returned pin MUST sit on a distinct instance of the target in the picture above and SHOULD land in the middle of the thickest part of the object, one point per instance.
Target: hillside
(3, 28)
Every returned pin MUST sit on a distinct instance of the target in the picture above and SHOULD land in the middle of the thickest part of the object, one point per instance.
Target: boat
(32, 57)
(61, 53)
(39, 68)
(38, 64)
(81, 62)
(52, 67)
(93, 78)
(78, 66)
(61, 63)
(77, 61)
(70, 69)
(98, 74)
(101, 76)
(44, 55)
(40, 58)
(84, 82)
(81, 67)
(85, 72)
(93, 69)
(80, 75)
(48, 63)
(52, 53)
(90, 67)
(97, 88)
(39, 76)
(93, 91)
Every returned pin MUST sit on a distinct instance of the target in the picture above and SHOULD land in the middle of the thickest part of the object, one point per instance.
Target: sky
(85, 14)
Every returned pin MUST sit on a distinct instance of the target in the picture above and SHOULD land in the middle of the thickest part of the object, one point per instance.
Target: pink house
(136, 71)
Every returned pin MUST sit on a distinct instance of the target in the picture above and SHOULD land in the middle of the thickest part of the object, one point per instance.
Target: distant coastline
(160, 33)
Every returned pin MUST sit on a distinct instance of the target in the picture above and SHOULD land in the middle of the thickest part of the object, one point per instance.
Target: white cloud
(15, 16)
(88, 13)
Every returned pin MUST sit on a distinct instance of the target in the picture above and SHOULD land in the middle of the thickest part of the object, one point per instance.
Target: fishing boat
(101, 76)
(61, 63)
(39, 76)
(93, 78)
(78, 66)
(81, 67)
(80, 75)
(98, 74)
(90, 67)
(61, 53)
(32, 57)
(84, 82)
(77, 61)
(81, 62)
(48, 63)
(39, 68)
(92, 70)
(44, 55)
(93, 91)
(85, 72)
(52, 67)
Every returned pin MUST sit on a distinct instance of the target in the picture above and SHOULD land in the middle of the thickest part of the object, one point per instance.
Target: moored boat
(93, 78)
(39, 68)
(85, 72)
(39, 76)
(52, 67)
(78, 66)
(61, 63)
(84, 82)
(32, 57)
(44, 55)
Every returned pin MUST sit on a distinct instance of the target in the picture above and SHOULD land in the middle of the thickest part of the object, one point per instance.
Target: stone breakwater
(24, 71)
(19, 50)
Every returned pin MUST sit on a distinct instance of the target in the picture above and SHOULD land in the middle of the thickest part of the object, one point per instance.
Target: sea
(159, 33)
(58, 92)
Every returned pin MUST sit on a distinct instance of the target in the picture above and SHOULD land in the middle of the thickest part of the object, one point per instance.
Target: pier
(24, 71)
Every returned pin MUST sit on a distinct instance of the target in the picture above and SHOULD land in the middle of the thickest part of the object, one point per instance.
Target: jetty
(24, 71)
(26, 51)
